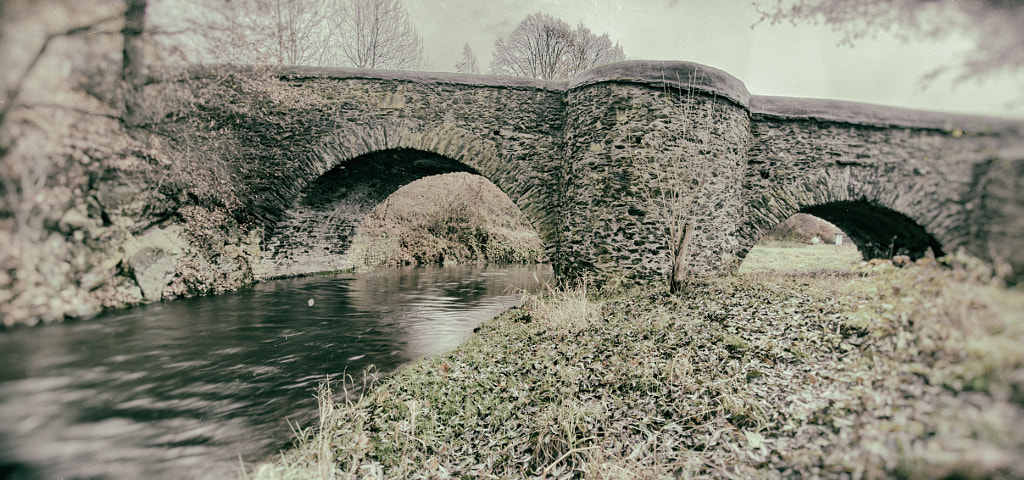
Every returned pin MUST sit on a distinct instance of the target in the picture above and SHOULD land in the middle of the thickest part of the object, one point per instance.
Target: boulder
(153, 259)
(153, 269)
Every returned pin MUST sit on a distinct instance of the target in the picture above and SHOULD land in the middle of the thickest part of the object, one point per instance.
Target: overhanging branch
(13, 93)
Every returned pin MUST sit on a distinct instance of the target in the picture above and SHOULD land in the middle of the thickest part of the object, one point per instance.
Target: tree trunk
(681, 263)
(132, 61)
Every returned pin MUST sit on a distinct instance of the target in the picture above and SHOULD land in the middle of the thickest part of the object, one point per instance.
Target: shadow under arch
(878, 232)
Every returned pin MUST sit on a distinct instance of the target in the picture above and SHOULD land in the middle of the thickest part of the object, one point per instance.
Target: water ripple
(181, 389)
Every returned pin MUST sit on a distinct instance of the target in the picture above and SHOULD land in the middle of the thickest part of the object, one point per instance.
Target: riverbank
(867, 371)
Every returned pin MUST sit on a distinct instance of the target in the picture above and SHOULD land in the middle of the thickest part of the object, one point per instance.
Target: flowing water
(183, 389)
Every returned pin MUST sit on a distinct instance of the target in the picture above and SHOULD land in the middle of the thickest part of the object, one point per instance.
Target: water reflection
(181, 389)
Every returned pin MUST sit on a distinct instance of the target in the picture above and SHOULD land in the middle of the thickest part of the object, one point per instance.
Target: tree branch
(13, 93)
(69, 109)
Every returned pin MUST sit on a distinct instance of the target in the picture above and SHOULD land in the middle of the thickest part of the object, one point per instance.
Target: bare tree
(673, 174)
(15, 73)
(23, 181)
(545, 47)
(995, 26)
(589, 50)
(468, 63)
(269, 32)
(534, 49)
(379, 34)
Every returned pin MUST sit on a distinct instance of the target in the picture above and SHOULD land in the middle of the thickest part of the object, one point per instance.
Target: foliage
(22, 183)
(873, 372)
(993, 24)
(545, 47)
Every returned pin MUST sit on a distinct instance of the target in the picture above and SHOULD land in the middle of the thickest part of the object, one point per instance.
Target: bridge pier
(650, 149)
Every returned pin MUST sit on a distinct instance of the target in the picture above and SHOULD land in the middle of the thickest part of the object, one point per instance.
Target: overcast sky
(802, 61)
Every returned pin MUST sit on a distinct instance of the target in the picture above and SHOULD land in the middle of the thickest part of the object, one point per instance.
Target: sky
(802, 61)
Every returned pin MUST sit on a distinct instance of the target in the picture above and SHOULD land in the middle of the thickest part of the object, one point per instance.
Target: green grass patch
(790, 258)
(862, 372)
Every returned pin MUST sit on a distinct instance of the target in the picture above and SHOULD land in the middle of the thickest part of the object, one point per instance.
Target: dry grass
(563, 311)
(877, 372)
(455, 218)
(801, 228)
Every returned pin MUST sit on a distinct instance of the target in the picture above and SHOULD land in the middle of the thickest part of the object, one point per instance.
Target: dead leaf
(754, 439)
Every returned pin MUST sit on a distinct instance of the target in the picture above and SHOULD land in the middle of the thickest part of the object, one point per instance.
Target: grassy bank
(859, 372)
(455, 218)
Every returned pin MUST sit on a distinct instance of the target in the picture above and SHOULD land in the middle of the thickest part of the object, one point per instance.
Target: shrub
(444, 219)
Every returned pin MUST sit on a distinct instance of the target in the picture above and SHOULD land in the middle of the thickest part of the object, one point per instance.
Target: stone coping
(791, 108)
(424, 77)
(678, 75)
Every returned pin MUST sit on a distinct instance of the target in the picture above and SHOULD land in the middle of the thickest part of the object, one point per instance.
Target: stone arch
(484, 156)
(446, 140)
(876, 215)
(358, 166)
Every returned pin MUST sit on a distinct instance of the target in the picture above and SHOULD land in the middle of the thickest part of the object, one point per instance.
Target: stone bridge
(596, 163)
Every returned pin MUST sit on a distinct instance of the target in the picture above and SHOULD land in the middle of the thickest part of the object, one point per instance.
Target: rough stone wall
(994, 227)
(635, 157)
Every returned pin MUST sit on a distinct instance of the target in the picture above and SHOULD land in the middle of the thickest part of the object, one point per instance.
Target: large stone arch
(882, 217)
(447, 140)
(358, 166)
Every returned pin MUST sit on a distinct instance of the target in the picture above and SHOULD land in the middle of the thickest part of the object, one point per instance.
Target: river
(189, 388)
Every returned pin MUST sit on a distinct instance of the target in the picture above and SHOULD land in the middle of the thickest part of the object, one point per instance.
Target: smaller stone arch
(874, 214)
